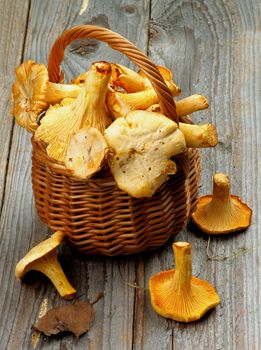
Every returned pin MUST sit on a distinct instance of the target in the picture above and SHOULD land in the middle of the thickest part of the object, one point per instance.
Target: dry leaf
(75, 318)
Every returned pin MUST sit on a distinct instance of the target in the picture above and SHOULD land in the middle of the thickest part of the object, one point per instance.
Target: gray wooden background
(214, 48)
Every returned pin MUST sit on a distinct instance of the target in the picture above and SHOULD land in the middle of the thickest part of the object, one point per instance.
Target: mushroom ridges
(178, 295)
(221, 212)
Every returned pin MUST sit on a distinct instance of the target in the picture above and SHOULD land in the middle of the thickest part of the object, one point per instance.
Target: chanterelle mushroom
(33, 93)
(135, 82)
(43, 258)
(221, 212)
(86, 153)
(178, 295)
(185, 106)
(88, 109)
(143, 144)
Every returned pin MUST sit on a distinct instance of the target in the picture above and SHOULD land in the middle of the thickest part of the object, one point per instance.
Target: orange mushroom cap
(221, 212)
(43, 258)
(178, 295)
(33, 93)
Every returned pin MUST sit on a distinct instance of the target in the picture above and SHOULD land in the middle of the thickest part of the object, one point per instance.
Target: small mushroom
(43, 258)
(88, 109)
(120, 104)
(86, 153)
(221, 212)
(33, 93)
(143, 144)
(178, 295)
(185, 106)
(199, 136)
(132, 81)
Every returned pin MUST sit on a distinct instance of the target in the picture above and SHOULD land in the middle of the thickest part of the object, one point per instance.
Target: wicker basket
(97, 217)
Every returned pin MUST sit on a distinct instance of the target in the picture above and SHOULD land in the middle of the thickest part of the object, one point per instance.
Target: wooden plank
(13, 21)
(20, 304)
(214, 48)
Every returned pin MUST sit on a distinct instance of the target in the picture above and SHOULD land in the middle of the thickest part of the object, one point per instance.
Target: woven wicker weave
(97, 217)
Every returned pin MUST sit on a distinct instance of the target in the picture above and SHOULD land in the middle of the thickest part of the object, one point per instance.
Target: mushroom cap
(221, 220)
(37, 252)
(86, 152)
(62, 120)
(186, 307)
(29, 93)
(221, 212)
(143, 143)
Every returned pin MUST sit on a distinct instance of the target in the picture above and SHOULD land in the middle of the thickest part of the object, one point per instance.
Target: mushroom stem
(183, 271)
(56, 92)
(50, 266)
(134, 82)
(96, 114)
(221, 188)
(191, 104)
(199, 136)
(127, 79)
(185, 106)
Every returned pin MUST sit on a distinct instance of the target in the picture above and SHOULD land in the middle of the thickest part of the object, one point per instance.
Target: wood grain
(13, 23)
(213, 47)
(20, 228)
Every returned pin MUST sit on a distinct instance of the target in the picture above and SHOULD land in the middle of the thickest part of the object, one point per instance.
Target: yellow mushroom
(185, 106)
(86, 153)
(33, 93)
(43, 258)
(88, 109)
(131, 81)
(120, 104)
(221, 212)
(178, 295)
(142, 144)
(199, 136)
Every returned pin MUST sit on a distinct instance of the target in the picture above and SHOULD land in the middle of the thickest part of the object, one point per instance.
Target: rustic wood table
(214, 48)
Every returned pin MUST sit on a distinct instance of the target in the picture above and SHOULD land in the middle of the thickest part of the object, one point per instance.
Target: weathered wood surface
(214, 47)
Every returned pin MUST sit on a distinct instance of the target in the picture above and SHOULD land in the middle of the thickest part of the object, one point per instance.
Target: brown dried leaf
(75, 318)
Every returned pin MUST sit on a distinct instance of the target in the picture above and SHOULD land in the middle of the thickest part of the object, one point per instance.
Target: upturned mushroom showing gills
(142, 145)
(33, 93)
(221, 212)
(178, 295)
(43, 258)
(86, 153)
(88, 109)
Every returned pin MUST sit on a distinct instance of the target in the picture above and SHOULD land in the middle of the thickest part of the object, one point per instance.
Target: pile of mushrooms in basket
(109, 117)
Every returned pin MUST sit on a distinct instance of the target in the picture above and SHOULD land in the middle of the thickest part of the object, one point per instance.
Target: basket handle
(116, 42)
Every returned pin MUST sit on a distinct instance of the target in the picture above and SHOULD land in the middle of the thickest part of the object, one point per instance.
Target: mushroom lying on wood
(221, 212)
(86, 153)
(143, 144)
(88, 109)
(43, 258)
(33, 93)
(178, 295)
